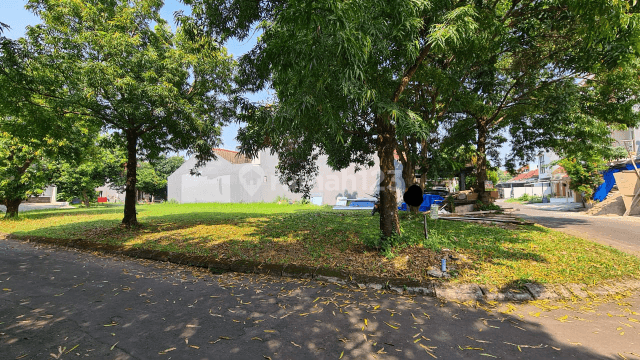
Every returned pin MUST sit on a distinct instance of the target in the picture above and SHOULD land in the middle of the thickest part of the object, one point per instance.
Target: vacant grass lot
(314, 236)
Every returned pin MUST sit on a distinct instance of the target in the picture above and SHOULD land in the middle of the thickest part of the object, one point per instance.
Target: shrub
(486, 207)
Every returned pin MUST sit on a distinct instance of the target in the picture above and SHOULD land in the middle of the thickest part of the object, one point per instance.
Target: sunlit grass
(320, 237)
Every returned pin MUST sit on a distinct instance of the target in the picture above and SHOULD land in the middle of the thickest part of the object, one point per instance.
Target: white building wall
(630, 137)
(110, 194)
(221, 181)
(537, 190)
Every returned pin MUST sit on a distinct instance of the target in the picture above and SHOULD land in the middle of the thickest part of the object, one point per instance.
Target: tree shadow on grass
(50, 213)
(332, 240)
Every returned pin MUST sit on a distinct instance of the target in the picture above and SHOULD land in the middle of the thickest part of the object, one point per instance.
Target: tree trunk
(409, 177)
(130, 218)
(85, 198)
(423, 164)
(481, 166)
(389, 223)
(12, 208)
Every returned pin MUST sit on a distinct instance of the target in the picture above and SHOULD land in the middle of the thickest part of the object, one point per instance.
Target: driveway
(57, 303)
(622, 233)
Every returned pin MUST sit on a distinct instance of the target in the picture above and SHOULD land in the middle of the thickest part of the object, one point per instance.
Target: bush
(281, 200)
(486, 207)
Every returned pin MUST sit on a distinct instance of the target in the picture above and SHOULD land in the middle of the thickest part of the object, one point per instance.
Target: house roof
(559, 173)
(525, 176)
(231, 156)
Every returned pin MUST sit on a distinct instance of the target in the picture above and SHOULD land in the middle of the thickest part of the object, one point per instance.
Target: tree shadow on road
(126, 310)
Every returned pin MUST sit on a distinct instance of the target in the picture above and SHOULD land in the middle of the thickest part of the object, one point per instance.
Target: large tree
(29, 151)
(527, 59)
(358, 77)
(119, 64)
(23, 165)
(340, 70)
(32, 136)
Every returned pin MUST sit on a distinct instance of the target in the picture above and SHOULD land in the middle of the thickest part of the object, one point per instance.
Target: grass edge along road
(501, 255)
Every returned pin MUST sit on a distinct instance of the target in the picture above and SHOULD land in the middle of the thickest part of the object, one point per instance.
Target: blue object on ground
(361, 203)
(357, 204)
(427, 200)
(603, 190)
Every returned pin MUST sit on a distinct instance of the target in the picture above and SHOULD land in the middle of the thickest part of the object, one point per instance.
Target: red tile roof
(231, 156)
(525, 176)
(559, 173)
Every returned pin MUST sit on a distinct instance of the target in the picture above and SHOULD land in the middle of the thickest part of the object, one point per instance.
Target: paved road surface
(620, 232)
(58, 303)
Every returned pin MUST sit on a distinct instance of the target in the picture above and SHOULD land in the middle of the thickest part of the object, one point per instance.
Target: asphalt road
(619, 232)
(59, 303)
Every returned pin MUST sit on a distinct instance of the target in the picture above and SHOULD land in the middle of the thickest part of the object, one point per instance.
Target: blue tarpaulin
(603, 190)
(427, 201)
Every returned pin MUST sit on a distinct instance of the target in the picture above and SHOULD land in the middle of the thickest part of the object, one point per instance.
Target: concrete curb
(439, 289)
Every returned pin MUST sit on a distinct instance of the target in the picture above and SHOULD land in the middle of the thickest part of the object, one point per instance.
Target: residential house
(555, 178)
(629, 138)
(48, 196)
(113, 196)
(233, 178)
(527, 182)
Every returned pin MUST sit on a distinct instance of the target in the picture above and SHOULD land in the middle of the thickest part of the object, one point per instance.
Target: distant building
(233, 178)
(113, 196)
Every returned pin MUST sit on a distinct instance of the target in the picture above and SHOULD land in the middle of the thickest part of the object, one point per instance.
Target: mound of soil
(612, 205)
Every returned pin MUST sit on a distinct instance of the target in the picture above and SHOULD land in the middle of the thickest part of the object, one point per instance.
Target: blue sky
(13, 13)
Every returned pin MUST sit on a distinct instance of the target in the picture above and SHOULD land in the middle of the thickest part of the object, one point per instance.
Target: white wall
(110, 194)
(221, 181)
(529, 190)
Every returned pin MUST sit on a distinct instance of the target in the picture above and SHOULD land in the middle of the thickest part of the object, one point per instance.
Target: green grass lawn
(318, 236)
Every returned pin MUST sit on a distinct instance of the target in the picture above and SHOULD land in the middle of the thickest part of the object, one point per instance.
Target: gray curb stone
(459, 292)
(494, 294)
(541, 292)
(576, 290)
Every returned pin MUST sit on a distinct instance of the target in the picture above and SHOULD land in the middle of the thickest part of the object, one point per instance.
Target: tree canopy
(366, 77)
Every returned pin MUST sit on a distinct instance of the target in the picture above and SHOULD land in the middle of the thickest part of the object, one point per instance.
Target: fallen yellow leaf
(391, 326)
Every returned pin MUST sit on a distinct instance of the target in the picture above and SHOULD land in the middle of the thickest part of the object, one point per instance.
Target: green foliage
(281, 200)
(79, 178)
(486, 207)
(153, 176)
(425, 77)
(503, 176)
(29, 148)
(525, 197)
(584, 174)
(24, 169)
